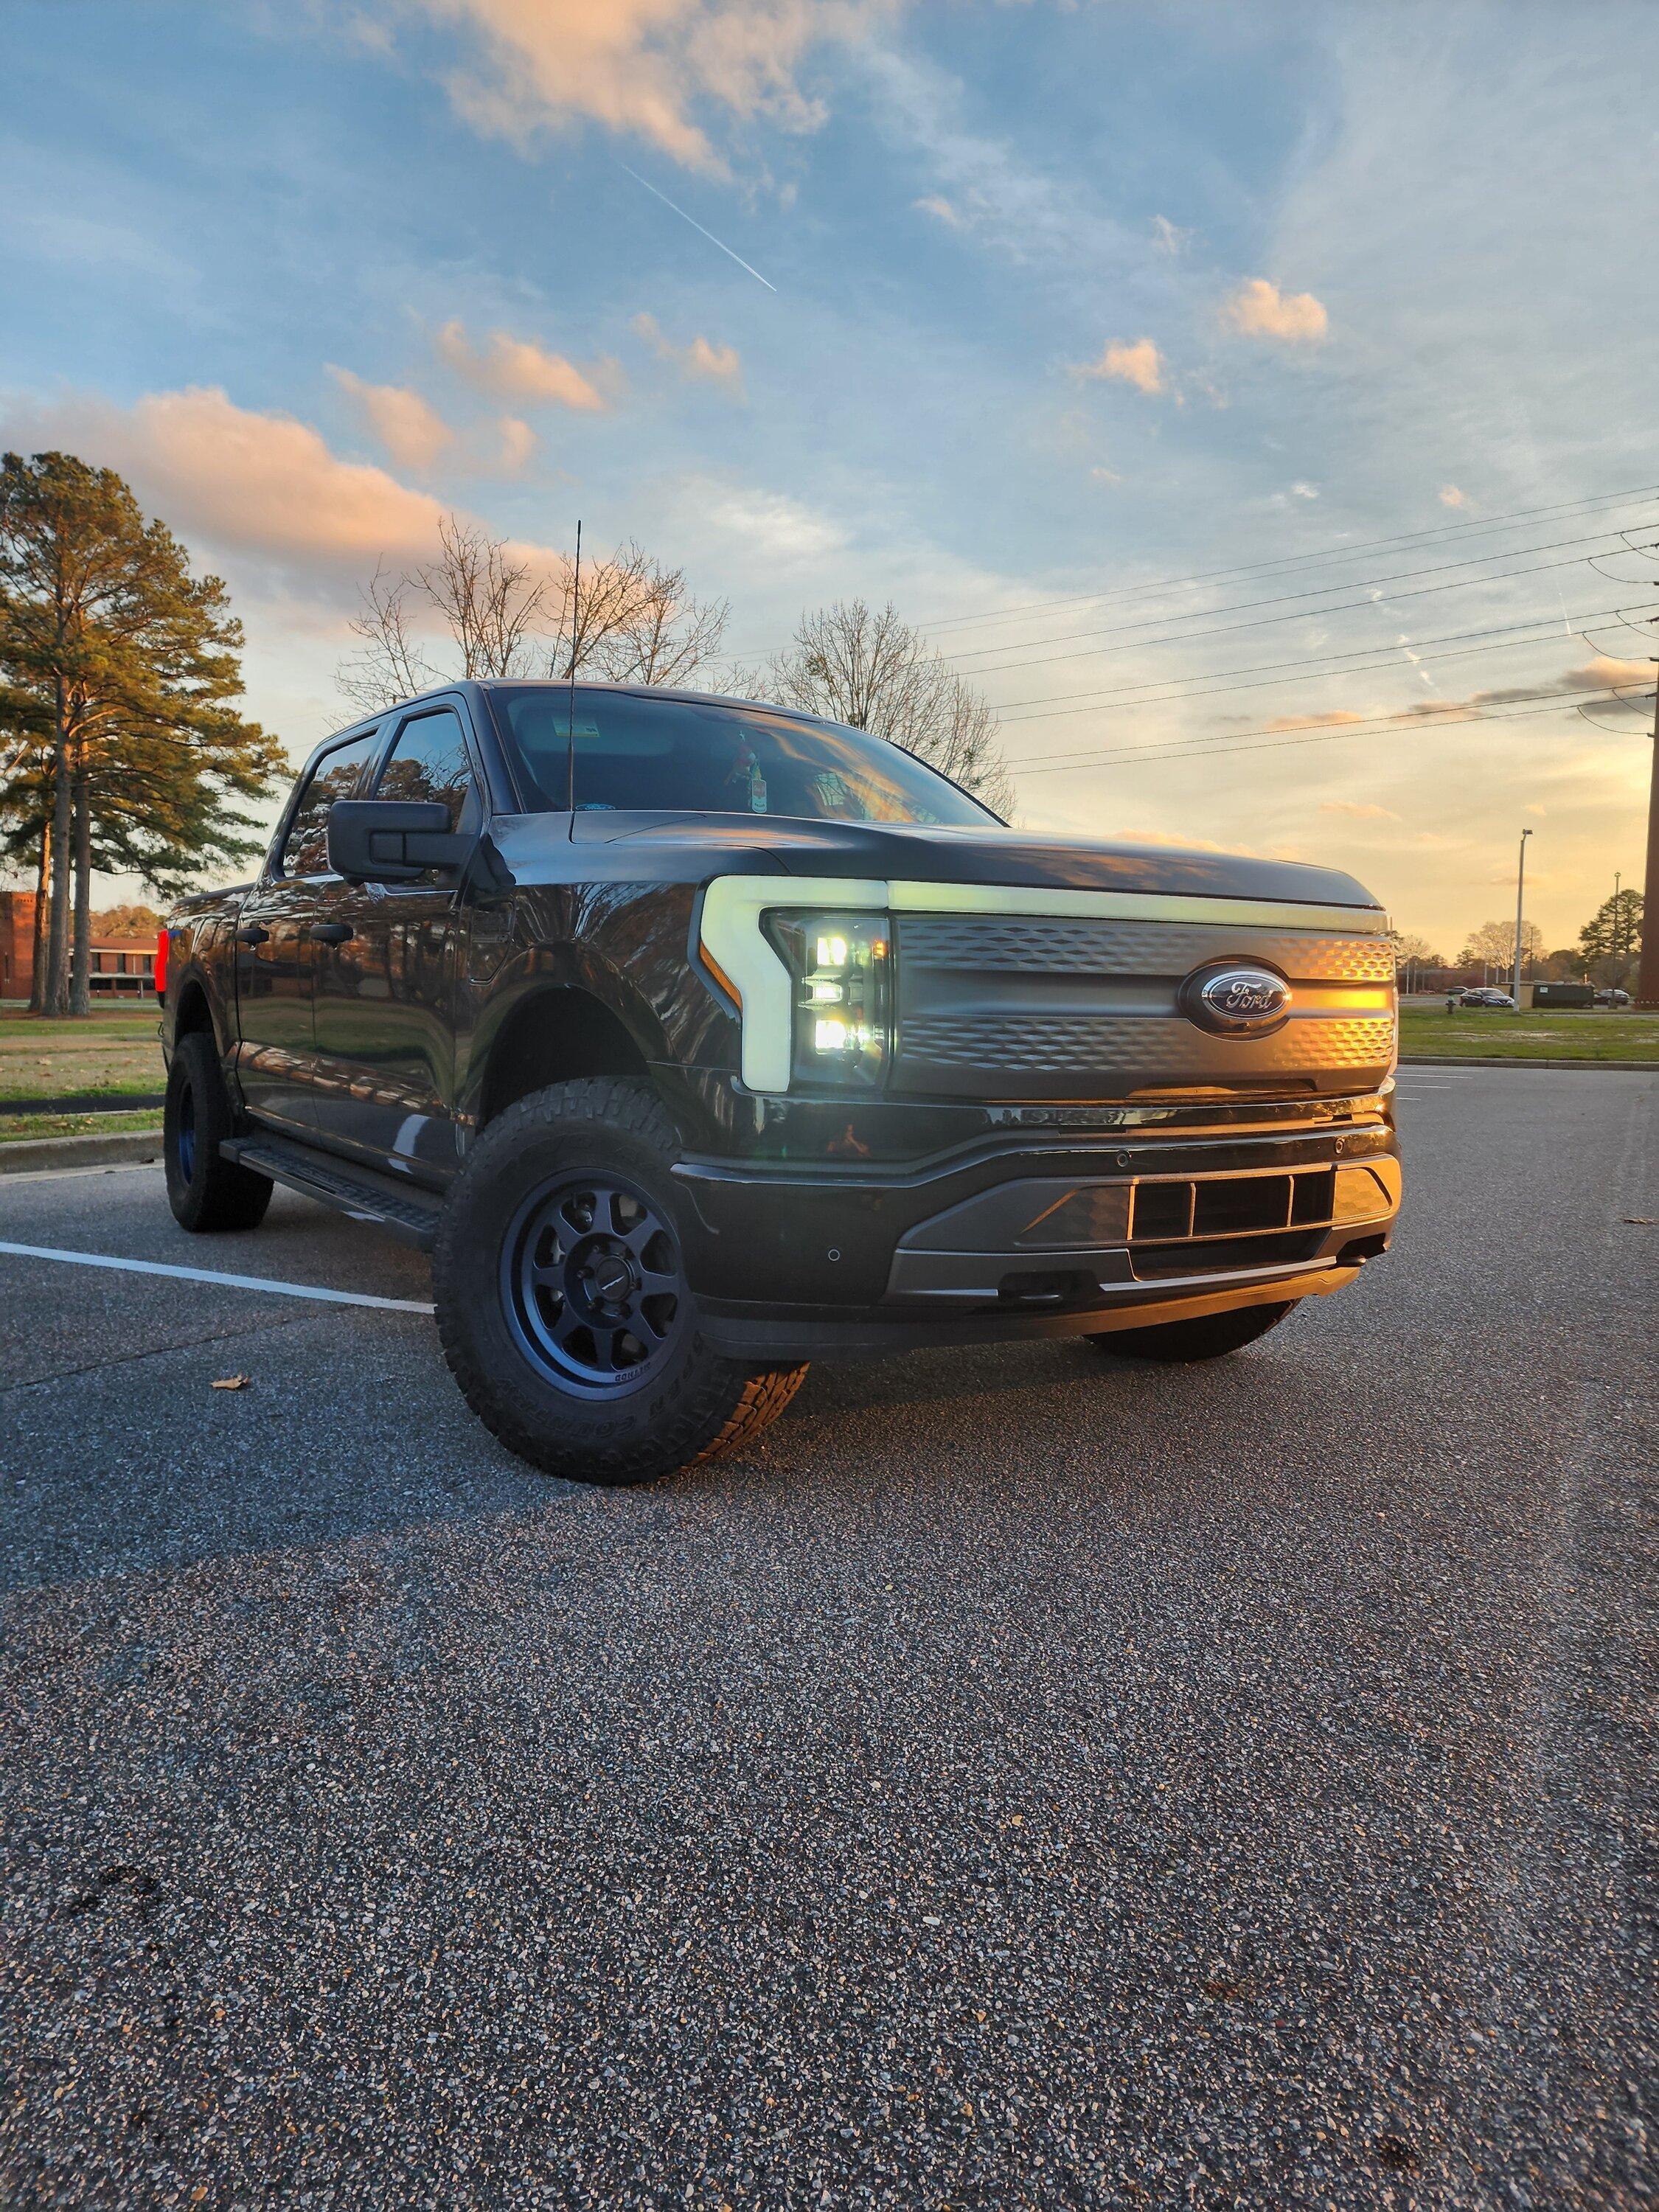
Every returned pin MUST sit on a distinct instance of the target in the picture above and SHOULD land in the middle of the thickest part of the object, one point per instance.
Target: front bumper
(1019, 1237)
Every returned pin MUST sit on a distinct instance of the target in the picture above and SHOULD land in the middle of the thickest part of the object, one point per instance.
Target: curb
(37, 1153)
(1450, 1059)
(88, 1101)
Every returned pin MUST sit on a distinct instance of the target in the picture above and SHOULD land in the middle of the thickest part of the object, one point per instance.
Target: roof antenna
(570, 722)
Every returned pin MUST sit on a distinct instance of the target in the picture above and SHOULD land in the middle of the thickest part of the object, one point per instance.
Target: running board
(410, 1214)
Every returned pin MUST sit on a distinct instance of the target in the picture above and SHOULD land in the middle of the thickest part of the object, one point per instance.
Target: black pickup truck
(697, 1039)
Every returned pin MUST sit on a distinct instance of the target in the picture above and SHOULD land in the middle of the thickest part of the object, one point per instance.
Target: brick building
(122, 967)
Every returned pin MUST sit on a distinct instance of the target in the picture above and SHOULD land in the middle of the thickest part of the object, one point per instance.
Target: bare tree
(631, 620)
(650, 630)
(872, 671)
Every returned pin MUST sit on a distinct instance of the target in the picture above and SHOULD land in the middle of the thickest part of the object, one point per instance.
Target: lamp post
(1520, 896)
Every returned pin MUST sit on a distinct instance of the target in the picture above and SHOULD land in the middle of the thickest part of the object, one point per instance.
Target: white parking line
(206, 1275)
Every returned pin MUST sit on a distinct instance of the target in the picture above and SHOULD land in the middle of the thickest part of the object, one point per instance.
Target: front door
(276, 1061)
(386, 966)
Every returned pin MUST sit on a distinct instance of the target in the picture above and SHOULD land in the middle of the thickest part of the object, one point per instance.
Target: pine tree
(121, 668)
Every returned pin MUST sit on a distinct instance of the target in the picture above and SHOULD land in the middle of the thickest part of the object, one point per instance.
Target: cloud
(1280, 722)
(642, 67)
(1141, 364)
(714, 364)
(519, 368)
(263, 484)
(517, 448)
(1304, 491)
(412, 431)
(1450, 496)
(771, 525)
(1168, 238)
(1260, 310)
(1357, 811)
(936, 204)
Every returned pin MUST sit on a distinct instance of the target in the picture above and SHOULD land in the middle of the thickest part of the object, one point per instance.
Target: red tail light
(160, 962)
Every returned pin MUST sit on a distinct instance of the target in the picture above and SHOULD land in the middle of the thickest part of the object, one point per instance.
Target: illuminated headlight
(843, 967)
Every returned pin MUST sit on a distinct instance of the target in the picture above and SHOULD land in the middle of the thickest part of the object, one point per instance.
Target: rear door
(275, 1058)
(387, 970)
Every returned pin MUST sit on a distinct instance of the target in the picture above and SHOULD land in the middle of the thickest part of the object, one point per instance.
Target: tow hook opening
(1359, 1249)
(1055, 1286)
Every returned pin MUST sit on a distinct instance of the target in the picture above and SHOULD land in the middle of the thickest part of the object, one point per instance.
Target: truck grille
(1009, 1007)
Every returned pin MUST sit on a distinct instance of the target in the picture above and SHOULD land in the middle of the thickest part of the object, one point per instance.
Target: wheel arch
(555, 1032)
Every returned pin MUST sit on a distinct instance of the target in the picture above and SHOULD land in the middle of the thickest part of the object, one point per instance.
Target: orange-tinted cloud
(714, 364)
(1141, 364)
(1450, 496)
(1260, 310)
(264, 484)
(410, 428)
(519, 370)
(1313, 721)
(643, 66)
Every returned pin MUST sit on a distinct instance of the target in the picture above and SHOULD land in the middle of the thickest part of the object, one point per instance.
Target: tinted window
(682, 755)
(305, 848)
(429, 761)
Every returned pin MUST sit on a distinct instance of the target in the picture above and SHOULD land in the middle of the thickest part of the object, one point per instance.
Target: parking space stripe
(207, 1276)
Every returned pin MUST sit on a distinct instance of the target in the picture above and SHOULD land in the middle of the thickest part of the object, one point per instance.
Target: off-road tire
(205, 1190)
(696, 1404)
(1208, 1336)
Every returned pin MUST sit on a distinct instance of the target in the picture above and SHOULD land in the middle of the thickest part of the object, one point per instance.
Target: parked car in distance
(1484, 1000)
(1614, 997)
(698, 1038)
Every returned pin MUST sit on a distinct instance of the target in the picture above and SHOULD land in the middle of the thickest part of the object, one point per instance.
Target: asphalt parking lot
(1021, 1779)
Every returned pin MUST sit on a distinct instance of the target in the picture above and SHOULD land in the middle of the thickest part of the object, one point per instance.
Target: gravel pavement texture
(1023, 1779)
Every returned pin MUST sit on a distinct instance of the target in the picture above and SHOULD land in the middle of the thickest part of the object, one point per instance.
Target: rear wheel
(1209, 1336)
(563, 1306)
(205, 1191)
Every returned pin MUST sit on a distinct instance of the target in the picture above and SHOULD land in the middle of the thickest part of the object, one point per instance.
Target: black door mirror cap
(393, 840)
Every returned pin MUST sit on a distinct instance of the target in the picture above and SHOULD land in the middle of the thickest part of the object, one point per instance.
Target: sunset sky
(1047, 310)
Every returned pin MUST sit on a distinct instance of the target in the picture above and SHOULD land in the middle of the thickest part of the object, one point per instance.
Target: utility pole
(1520, 896)
(1647, 979)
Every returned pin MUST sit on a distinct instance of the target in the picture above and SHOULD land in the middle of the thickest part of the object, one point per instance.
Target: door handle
(253, 932)
(330, 932)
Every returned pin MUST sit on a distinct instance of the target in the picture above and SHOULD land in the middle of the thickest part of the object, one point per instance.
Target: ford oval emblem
(1237, 999)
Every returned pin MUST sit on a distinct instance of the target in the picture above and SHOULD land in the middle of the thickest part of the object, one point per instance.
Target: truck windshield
(681, 756)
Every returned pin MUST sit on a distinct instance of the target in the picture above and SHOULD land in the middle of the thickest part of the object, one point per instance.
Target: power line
(1264, 622)
(1296, 560)
(1423, 712)
(1377, 584)
(1111, 699)
(1213, 751)
(1283, 560)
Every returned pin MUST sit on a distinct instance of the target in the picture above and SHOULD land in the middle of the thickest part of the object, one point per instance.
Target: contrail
(696, 225)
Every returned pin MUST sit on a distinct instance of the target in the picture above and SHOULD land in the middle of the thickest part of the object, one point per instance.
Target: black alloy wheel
(592, 1284)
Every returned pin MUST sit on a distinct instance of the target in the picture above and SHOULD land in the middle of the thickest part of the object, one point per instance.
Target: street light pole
(1647, 978)
(1520, 896)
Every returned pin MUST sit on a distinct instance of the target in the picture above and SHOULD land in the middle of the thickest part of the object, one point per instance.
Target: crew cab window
(305, 848)
(694, 757)
(429, 761)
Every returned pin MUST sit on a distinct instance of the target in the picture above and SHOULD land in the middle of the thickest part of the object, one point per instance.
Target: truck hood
(994, 856)
(695, 847)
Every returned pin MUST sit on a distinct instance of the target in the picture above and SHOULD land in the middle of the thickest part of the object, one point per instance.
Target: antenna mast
(570, 719)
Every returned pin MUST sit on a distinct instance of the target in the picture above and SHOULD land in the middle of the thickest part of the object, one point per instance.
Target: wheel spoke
(604, 1346)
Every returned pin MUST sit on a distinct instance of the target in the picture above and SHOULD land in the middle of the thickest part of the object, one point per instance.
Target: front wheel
(1208, 1336)
(564, 1307)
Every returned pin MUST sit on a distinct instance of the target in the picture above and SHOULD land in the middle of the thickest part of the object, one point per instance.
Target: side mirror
(393, 840)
